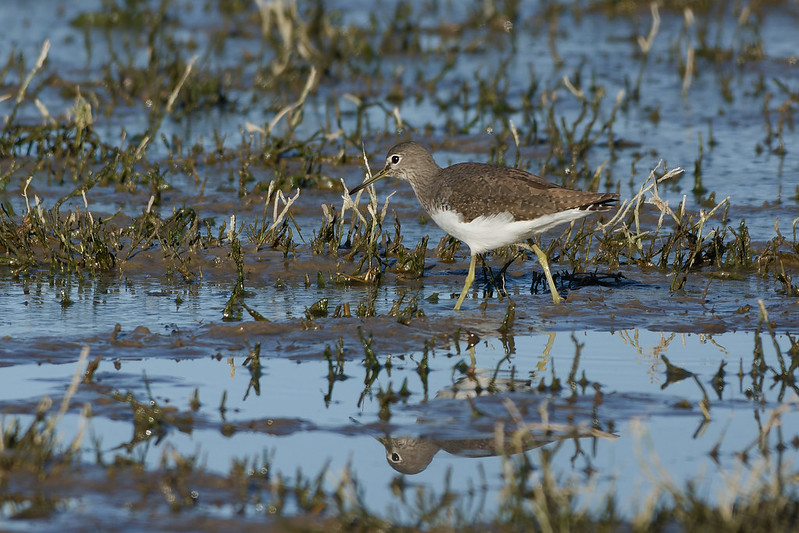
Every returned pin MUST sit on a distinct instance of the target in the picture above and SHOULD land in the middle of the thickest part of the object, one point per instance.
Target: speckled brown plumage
(478, 189)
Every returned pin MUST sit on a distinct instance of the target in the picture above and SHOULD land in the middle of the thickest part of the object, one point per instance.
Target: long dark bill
(380, 175)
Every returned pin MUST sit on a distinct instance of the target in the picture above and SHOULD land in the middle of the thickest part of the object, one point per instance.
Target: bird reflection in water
(411, 455)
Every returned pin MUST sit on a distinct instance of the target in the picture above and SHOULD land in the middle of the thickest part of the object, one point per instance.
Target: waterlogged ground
(313, 391)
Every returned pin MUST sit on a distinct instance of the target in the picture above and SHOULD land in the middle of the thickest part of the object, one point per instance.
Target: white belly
(486, 233)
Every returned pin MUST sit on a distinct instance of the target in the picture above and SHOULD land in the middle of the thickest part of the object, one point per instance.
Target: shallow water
(302, 421)
(172, 340)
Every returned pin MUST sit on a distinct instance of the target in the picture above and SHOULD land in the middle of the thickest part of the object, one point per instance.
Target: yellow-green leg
(468, 283)
(542, 260)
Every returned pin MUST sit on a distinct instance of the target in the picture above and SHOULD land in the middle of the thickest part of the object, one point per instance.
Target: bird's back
(478, 189)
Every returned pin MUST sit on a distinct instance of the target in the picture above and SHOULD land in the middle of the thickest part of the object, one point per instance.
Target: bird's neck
(426, 186)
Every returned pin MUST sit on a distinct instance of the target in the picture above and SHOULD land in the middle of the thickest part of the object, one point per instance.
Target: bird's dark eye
(395, 457)
(395, 159)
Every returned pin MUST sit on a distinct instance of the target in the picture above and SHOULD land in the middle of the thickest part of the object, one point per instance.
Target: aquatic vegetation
(196, 158)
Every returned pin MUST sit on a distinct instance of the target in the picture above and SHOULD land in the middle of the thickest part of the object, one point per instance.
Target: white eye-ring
(394, 159)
